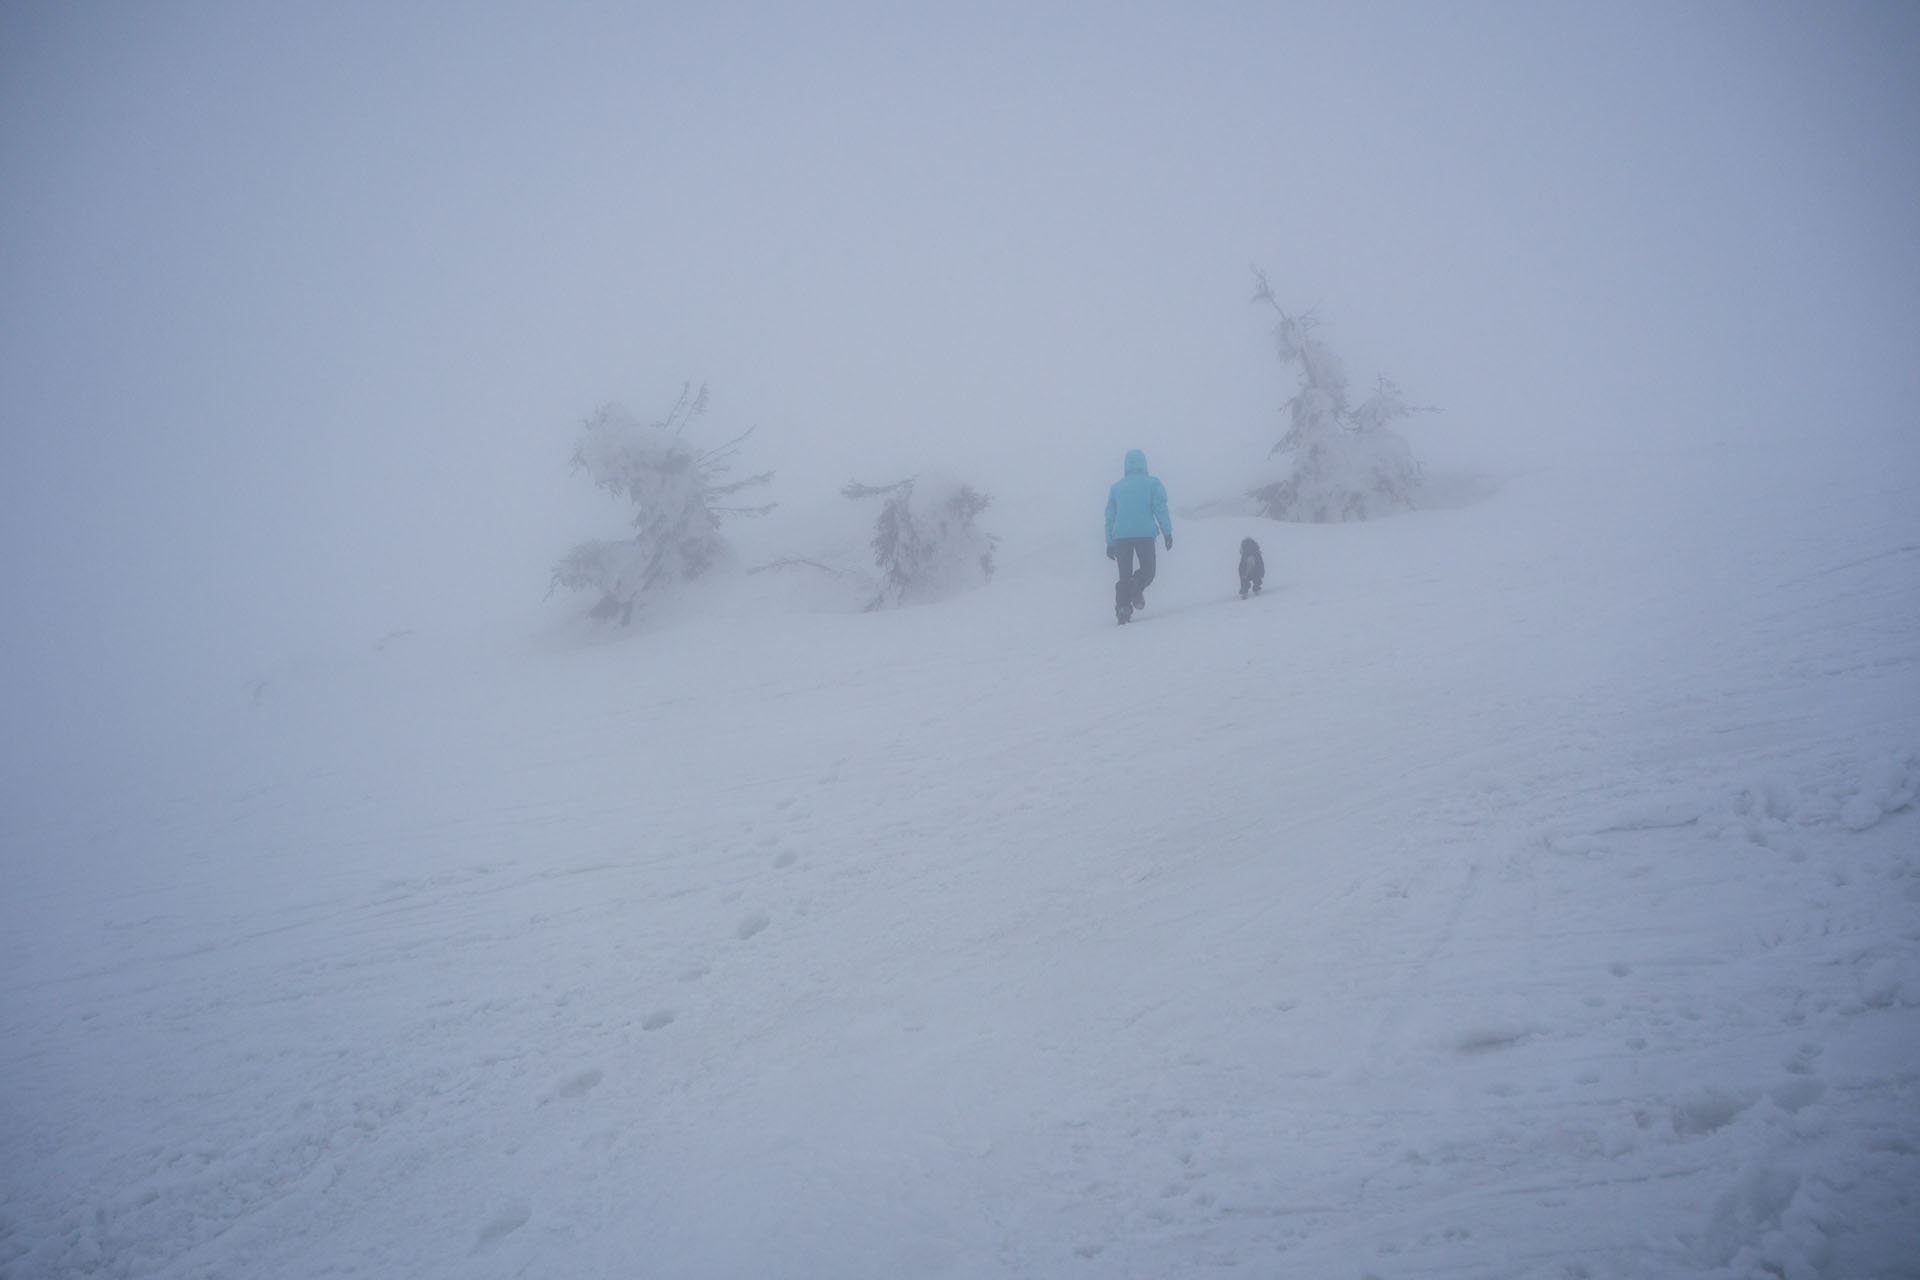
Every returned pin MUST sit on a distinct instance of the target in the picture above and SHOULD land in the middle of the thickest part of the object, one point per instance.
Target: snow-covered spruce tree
(1347, 463)
(925, 541)
(678, 492)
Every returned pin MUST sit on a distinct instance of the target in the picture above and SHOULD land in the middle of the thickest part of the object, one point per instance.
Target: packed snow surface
(1528, 887)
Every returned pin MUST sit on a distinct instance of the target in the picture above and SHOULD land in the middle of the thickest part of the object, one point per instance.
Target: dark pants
(1132, 581)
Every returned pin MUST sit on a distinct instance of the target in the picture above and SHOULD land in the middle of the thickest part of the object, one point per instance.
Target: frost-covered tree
(1347, 462)
(679, 496)
(925, 539)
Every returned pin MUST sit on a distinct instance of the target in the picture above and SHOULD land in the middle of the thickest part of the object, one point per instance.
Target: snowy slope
(1523, 888)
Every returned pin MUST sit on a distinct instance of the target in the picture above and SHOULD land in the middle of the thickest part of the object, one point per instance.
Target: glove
(1110, 554)
(1169, 542)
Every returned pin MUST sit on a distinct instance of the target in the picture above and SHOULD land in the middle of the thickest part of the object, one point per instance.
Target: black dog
(1252, 568)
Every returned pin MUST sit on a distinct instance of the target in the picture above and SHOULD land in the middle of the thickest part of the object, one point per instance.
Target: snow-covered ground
(1524, 887)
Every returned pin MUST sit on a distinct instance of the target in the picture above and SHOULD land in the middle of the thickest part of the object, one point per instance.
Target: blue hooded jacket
(1137, 503)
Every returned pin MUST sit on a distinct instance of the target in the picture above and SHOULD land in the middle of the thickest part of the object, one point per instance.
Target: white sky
(299, 304)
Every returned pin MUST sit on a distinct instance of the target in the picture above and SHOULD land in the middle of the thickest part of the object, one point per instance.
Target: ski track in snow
(1486, 900)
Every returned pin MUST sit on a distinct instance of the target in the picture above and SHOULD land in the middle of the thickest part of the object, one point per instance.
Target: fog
(302, 305)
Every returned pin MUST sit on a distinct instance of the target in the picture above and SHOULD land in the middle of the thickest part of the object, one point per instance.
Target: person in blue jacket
(1136, 510)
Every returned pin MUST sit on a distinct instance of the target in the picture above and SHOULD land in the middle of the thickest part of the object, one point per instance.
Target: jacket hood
(1136, 463)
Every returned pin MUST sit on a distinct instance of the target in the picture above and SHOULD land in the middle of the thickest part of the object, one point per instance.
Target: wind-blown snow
(1514, 889)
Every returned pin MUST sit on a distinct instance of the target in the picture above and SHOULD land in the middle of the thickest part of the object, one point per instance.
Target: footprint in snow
(1797, 1094)
(1490, 1038)
(507, 1220)
(657, 1019)
(1707, 1112)
(751, 925)
(578, 1084)
(785, 858)
(1578, 846)
(1801, 1061)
